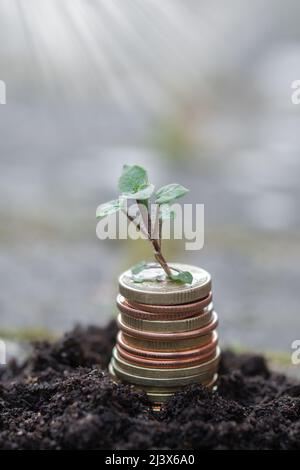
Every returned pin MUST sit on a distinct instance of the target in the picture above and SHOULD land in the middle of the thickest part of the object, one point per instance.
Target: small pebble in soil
(63, 398)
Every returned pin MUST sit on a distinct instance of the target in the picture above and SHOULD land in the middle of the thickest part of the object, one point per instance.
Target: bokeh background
(199, 92)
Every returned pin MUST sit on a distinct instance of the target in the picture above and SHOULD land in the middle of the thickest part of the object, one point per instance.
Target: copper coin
(170, 336)
(187, 307)
(163, 355)
(161, 312)
(165, 363)
(188, 371)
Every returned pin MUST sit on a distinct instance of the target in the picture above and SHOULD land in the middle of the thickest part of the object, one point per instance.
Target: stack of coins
(167, 336)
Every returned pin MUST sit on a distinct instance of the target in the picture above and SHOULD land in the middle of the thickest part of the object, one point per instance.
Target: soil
(63, 398)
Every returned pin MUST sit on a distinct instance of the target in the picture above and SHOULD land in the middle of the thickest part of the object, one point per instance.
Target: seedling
(134, 185)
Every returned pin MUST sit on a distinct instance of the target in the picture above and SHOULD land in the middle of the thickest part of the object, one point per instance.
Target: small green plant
(134, 185)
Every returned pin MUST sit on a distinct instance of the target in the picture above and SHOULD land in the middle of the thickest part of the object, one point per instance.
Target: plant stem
(138, 226)
(160, 232)
(160, 258)
(157, 246)
(155, 243)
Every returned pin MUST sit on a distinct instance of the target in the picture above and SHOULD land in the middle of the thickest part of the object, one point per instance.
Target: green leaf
(138, 279)
(133, 179)
(185, 277)
(142, 194)
(169, 193)
(137, 268)
(109, 208)
(166, 213)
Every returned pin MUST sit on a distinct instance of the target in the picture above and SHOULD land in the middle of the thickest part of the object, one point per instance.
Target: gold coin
(112, 372)
(169, 326)
(208, 382)
(158, 382)
(165, 292)
(141, 371)
(171, 390)
(161, 397)
(171, 346)
(152, 389)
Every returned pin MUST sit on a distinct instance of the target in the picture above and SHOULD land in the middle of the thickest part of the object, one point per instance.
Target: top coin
(165, 292)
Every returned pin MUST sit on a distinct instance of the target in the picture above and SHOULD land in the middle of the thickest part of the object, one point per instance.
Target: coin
(166, 292)
(165, 345)
(163, 355)
(158, 382)
(141, 371)
(167, 336)
(165, 315)
(163, 312)
(181, 335)
(153, 345)
(180, 320)
(209, 381)
(165, 363)
(161, 397)
(169, 326)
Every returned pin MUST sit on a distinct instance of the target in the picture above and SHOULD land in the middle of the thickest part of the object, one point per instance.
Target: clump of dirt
(63, 398)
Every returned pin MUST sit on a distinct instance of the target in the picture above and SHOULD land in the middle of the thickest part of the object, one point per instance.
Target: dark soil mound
(62, 398)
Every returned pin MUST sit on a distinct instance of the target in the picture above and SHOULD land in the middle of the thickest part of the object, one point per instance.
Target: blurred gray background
(199, 92)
